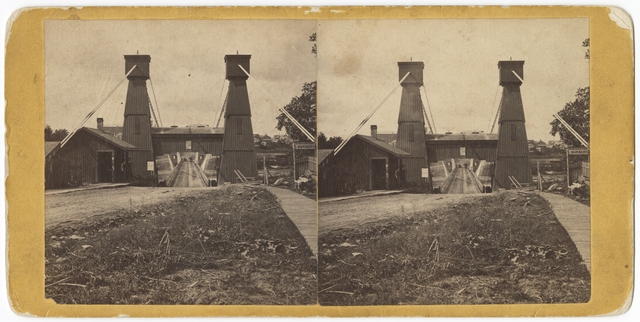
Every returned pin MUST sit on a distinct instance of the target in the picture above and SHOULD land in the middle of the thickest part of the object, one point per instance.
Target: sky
(357, 69)
(84, 62)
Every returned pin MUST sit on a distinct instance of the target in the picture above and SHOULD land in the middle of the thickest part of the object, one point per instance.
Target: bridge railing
(201, 174)
(477, 181)
(447, 182)
(171, 180)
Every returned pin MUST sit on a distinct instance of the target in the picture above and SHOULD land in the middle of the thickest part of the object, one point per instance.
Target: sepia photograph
(453, 161)
(180, 161)
(311, 161)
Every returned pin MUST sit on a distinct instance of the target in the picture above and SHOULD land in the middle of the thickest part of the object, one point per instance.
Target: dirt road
(354, 212)
(80, 205)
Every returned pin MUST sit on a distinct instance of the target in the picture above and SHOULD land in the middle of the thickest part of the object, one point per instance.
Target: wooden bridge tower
(512, 155)
(237, 151)
(411, 132)
(136, 129)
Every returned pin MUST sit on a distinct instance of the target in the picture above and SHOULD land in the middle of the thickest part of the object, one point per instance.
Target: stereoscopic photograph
(453, 161)
(180, 162)
(319, 161)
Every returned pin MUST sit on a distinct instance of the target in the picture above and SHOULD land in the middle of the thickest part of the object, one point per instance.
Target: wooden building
(477, 146)
(325, 173)
(364, 163)
(238, 150)
(512, 154)
(198, 138)
(89, 156)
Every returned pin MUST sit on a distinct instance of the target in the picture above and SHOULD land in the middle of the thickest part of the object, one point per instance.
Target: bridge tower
(411, 132)
(136, 129)
(237, 146)
(512, 155)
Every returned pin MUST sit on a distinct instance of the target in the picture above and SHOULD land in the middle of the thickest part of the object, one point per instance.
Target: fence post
(539, 176)
(294, 160)
(568, 170)
(264, 170)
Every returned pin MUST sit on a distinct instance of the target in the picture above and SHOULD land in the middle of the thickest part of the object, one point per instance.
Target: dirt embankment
(501, 248)
(233, 245)
(346, 214)
(84, 204)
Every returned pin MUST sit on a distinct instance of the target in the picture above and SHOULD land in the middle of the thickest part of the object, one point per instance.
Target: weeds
(491, 250)
(228, 246)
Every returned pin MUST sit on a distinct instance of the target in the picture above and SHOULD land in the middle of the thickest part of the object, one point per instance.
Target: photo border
(612, 158)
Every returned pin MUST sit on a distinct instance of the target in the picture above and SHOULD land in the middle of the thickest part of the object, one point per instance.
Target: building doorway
(105, 167)
(378, 174)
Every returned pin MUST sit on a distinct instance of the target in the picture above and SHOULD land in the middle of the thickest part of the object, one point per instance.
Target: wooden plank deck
(302, 212)
(576, 220)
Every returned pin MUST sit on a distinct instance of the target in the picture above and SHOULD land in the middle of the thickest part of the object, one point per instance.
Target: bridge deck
(187, 176)
(463, 182)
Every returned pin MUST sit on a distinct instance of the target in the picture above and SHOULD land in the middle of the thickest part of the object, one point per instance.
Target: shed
(364, 163)
(89, 156)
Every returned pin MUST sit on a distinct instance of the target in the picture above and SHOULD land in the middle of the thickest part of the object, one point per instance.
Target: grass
(503, 248)
(229, 246)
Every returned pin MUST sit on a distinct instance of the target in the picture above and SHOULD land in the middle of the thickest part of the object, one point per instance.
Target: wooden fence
(304, 163)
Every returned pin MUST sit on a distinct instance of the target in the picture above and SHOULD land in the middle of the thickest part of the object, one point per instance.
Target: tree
(576, 114)
(314, 48)
(331, 143)
(587, 43)
(48, 132)
(57, 135)
(303, 110)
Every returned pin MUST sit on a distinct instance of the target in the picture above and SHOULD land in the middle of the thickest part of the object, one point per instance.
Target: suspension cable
(491, 118)
(344, 142)
(68, 137)
(155, 100)
(224, 107)
(429, 107)
(282, 110)
(220, 107)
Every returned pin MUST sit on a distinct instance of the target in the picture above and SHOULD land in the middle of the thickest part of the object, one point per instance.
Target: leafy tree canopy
(303, 110)
(314, 48)
(331, 143)
(576, 114)
(57, 135)
(587, 43)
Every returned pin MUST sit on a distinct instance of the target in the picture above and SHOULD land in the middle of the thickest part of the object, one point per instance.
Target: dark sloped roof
(50, 146)
(383, 145)
(323, 154)
(193, 130)
(110, 138)
(462, 137)
(389, 137)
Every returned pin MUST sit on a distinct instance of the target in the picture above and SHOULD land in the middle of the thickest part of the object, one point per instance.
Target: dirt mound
(229, 246)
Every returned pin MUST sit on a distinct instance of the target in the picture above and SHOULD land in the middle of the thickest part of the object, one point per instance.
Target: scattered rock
(345, 244)
(86, 246)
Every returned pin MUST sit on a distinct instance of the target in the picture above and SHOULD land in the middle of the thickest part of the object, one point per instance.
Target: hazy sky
(84, 61)
(357, 68)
